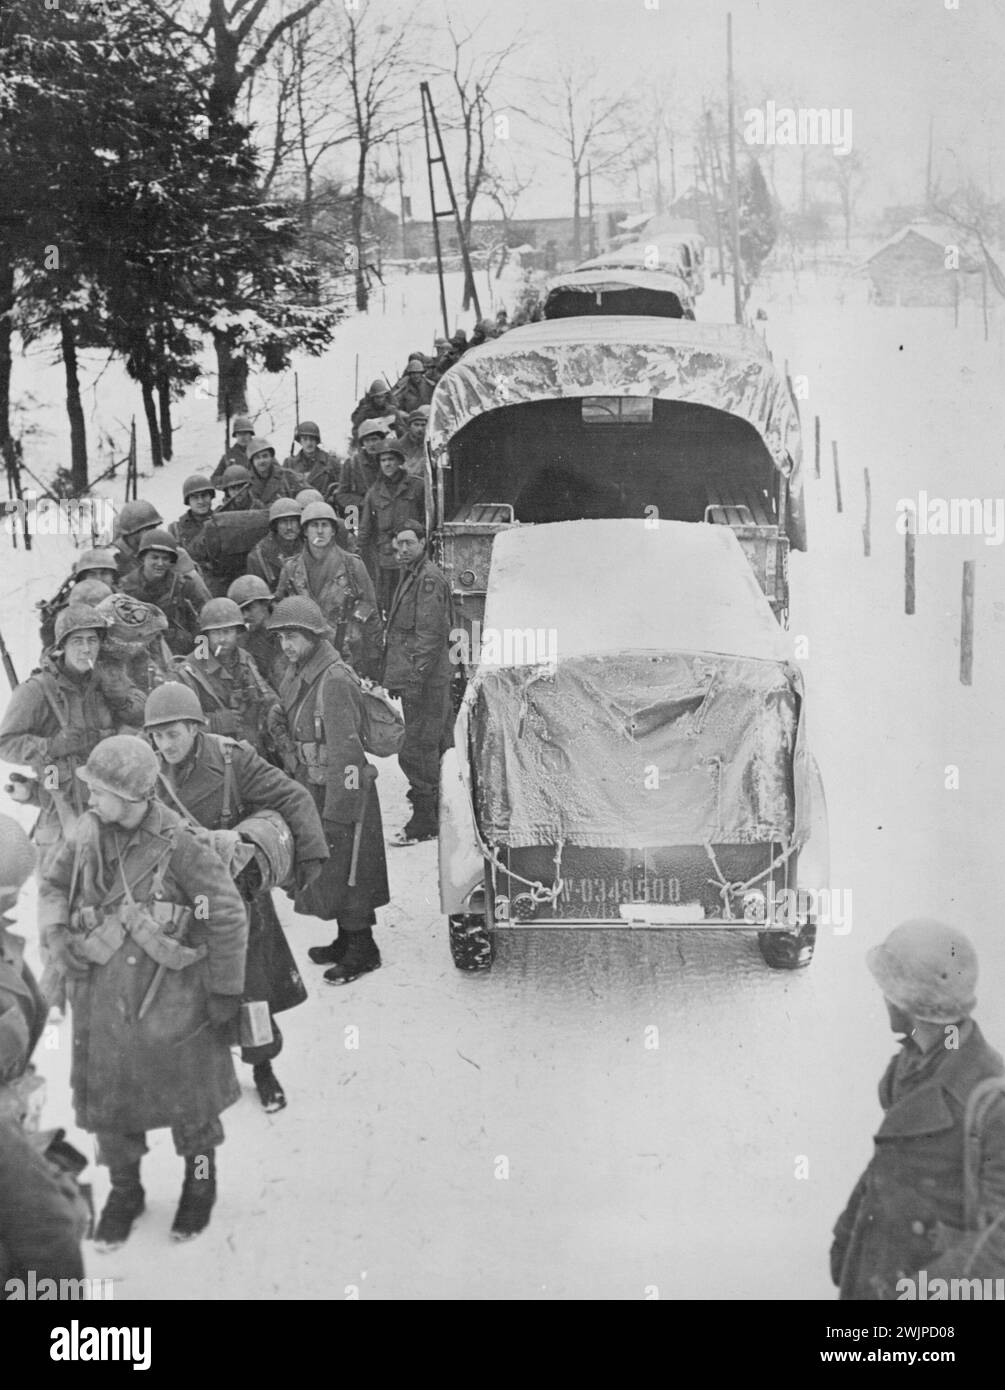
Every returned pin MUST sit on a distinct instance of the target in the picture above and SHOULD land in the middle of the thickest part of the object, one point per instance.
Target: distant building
(924, 265)
(551, 236)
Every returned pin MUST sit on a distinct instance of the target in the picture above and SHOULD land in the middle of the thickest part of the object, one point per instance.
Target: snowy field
(512, 1135)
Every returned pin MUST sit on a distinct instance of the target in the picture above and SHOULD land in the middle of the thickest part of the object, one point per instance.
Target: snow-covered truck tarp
(723, 366)
(671, 713)
(636, 750)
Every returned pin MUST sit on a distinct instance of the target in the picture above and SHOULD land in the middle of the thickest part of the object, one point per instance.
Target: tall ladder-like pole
(429, 118)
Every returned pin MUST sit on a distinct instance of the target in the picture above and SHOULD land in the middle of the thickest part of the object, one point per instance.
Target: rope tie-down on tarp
(729, 890)
(538, 892)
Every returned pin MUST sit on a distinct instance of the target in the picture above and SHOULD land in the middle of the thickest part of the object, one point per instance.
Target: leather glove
(307, 871)
(223, 1011)
(69, 743)
(223, 721)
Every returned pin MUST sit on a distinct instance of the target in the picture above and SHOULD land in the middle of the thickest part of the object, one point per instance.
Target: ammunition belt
(154, 927)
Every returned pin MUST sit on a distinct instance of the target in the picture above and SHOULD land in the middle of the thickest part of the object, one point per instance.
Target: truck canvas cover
(593, 282)
(723, 366)
(670, 714)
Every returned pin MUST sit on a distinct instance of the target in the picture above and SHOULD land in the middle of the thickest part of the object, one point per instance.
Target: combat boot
(270, 1092)
(125, 1202)
(197, 1196)
(359, 958)
(422, 824)
(330, 954)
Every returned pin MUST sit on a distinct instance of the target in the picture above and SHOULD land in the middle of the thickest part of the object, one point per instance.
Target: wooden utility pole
(401, 199)
(928, 166)
(589, 199)
(734, 205)
(429, 120)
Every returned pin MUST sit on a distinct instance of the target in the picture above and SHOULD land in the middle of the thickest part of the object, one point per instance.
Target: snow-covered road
(627, 1116)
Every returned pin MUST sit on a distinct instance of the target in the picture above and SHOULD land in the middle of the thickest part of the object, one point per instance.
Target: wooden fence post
(967, 624)
(909, 544)
(816, 446)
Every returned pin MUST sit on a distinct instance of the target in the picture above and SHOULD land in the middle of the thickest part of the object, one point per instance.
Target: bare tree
(973, 211)
(505, 190)
(847, 173)
(590, 128)
(474, 76)
(376, 62)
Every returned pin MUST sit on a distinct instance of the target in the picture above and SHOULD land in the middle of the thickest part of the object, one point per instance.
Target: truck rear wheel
(788, 950)
(472, 944)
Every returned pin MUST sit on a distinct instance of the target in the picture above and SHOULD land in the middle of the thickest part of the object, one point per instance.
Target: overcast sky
(893, 63)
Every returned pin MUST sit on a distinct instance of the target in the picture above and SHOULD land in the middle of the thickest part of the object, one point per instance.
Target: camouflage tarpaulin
(719, 365)
(636, 750)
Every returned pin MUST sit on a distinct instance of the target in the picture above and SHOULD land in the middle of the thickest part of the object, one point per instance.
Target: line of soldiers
(196, 735)
(153, 935)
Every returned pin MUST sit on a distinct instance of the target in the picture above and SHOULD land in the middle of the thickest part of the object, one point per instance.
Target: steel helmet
(928, 969)
(242, 424)
(158, 540)
(285, 506)
(298, 612)
(17, 855)
(198, 482)
(308, 428)
(306, 495)
(391, 446)
(134, 516)
(170, 702)
(250, 588)
(78, 617)
(318, 511)
(273, 842)
(99, 559)
(130, 620)
(378, 387)
(124, 765)
(220, 612)
(234, 474)
(258, 446)
(90, 591)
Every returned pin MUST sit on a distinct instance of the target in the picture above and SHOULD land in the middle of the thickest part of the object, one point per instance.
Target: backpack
(383, 730)
(383, 723)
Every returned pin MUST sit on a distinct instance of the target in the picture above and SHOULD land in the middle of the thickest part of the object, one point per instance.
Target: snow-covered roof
(635, 221)
(582, 580)
(940, 236)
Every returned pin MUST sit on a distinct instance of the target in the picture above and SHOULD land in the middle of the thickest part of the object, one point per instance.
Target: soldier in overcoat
(324, 710)
(931, 1203)
(151, 933)
(42, 1214)
(218, 781)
